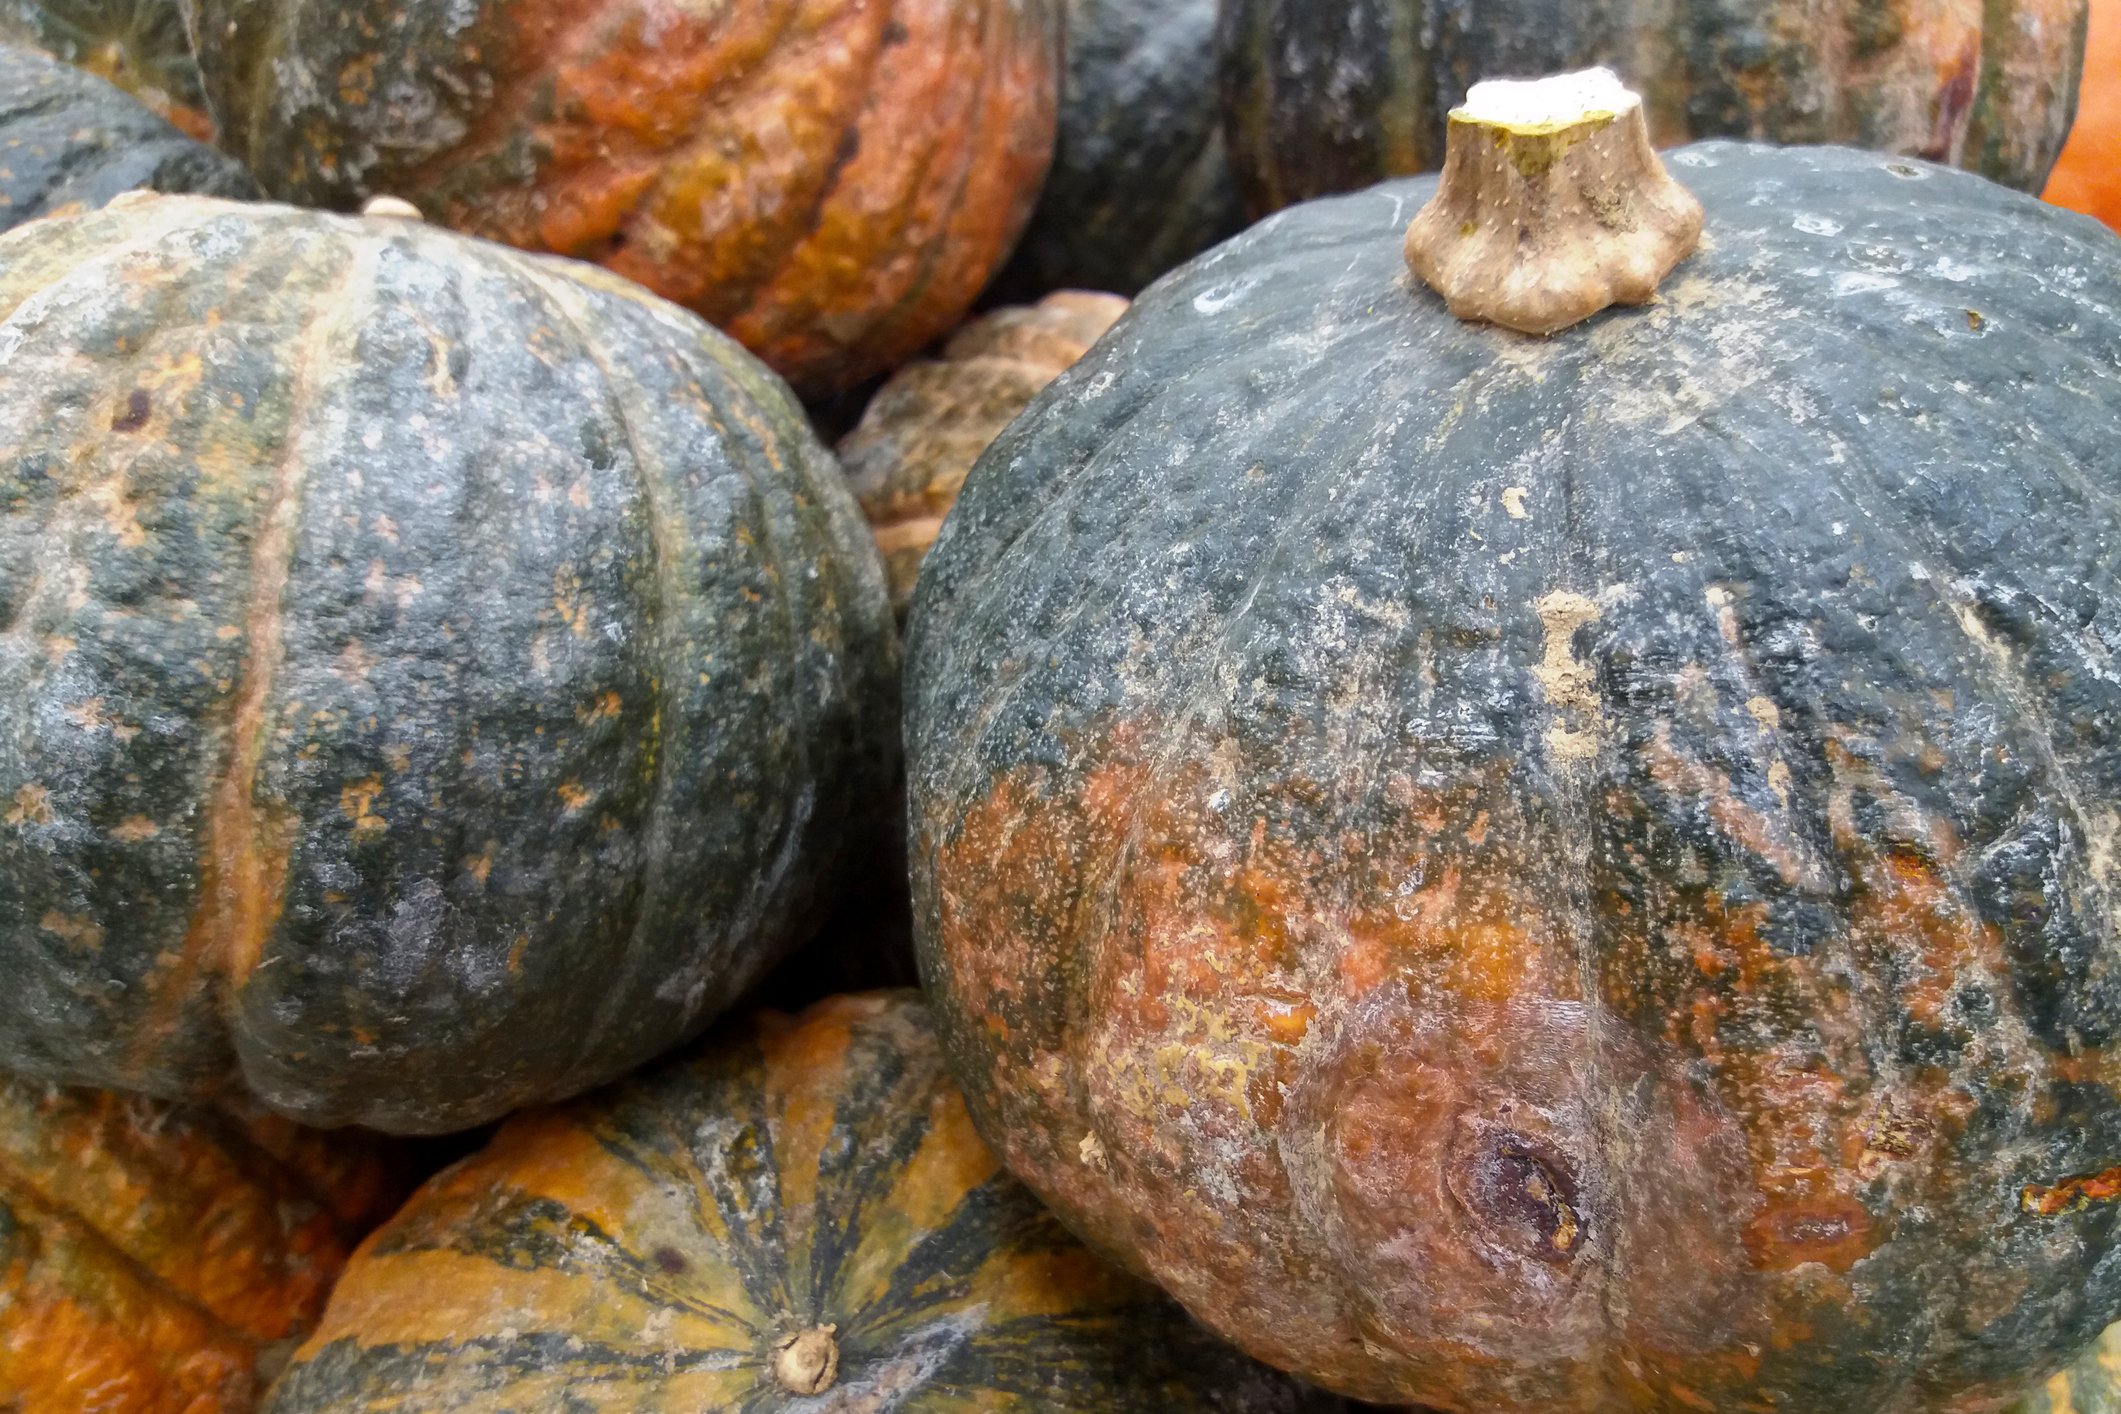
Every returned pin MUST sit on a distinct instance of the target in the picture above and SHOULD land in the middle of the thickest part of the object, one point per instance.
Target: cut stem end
(1552, 205)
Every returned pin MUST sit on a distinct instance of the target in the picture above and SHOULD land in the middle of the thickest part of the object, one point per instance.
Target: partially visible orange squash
(829, 181)
(2087, 177)
(925, 428)
(165, 1259)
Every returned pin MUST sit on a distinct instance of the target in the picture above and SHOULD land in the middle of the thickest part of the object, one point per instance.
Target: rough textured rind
(928, 424)
(656, 1247)
(1140, 180)
(139, 45)
(165, 1259)
(1325, 96)
(432, 678)
(1562, 874)
(831, 182)
(70, 142)
(2087, 176)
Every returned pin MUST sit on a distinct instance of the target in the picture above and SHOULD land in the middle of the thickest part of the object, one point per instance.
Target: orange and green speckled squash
(165, 1259)
(830, 181)
(1570, 874)
(139, 45)
(2087, 176)
(435, 678)
(799, 1218)
(1325, 96)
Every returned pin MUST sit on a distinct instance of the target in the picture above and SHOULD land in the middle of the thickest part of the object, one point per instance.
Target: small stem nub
(808, 1361)
(1552, 205)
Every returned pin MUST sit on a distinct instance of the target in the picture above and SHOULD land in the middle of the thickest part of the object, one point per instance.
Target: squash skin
(438, 678)
(829, 182)
(643, 1248)
(158, 1257)
(73, 142)
(1140, 179)
(1323, 96)
(138, 45)
(1360, 764)
(927, 425)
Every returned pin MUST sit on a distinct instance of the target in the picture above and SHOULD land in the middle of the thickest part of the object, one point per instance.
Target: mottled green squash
(70, 142)
(1324, 96)
(1140, 180)
(798, 1218)
(435, 678)
(139, 45)
(1553, 875)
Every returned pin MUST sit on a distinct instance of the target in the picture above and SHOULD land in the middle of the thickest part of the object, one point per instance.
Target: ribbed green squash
(139, 45)
(799, 1218)
(435, 678)
(1140, 180)
(1327, 96)
(1571, 873)
(69, 141)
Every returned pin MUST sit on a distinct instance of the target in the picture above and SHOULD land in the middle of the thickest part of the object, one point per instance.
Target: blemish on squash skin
(2071, 1194)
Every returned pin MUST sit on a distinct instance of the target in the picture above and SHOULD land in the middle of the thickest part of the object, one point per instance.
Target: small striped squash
(799, 1217)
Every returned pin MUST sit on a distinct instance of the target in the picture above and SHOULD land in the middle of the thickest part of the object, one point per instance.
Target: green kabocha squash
(435, 679)
(1324, 96)
(167, 1259)
(1140, 180)
(832, 182)
(1541, 875)
(70, 142)
(139, 45)
(798, 1218)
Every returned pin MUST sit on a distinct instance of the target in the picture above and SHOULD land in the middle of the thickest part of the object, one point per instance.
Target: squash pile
(1503, 791)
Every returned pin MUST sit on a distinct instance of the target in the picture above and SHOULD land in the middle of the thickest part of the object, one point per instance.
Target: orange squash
(830, 181)
(2087, 177)
(164, 1259)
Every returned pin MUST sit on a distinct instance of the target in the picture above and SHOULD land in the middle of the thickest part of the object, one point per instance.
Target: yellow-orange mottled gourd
(830, 181)
(795, 1219)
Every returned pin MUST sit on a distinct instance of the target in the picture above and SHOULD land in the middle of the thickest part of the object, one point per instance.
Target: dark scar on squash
(2072, 1194)
(670, 1260)
(135, 415)
(1512, 1185)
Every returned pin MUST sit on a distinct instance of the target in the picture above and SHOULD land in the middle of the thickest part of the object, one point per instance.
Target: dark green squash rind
(1329, 97)
(1140, 181)
(584, 688)
(70, 139)
(1243, 591)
